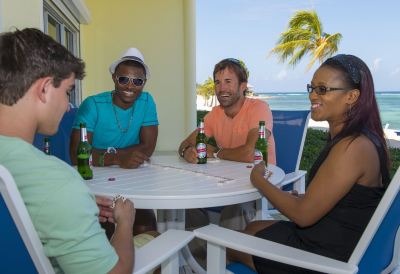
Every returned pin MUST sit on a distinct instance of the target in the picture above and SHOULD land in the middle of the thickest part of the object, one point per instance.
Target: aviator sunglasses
(322, 90)
(124, 80)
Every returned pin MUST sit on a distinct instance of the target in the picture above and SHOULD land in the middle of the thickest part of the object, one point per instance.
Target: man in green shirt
(37, 76)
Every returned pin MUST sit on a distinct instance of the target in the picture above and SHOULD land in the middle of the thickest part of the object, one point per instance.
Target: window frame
(66, 22)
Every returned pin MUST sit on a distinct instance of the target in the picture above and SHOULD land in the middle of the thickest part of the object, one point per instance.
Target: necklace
(123, 130)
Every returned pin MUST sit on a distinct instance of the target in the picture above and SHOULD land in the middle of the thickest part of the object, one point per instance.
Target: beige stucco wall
(164, 31)
(21, 14)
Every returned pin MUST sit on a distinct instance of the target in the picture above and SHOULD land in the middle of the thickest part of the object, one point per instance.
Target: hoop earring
(349, 111)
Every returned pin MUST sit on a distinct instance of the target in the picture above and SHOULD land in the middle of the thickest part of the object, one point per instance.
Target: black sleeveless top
(337, 233)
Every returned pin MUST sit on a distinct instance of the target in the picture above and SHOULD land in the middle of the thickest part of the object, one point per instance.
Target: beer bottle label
(201, 150)
(258, 157)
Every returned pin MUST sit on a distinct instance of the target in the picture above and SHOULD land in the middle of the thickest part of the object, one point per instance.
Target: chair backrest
(59, 142)
(20, 249)
(289, 128)
(376, 247)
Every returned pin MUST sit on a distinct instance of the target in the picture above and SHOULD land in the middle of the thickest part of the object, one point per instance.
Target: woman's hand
(257, 174)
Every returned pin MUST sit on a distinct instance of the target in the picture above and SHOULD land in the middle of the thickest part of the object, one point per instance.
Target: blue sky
(249, 29)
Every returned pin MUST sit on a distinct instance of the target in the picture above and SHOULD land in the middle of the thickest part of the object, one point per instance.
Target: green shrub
(201, 114)
(395, 159)
(315, 141)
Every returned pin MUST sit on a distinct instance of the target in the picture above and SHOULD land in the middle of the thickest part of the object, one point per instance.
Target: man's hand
(132, 159)
(210, 151)
(190, 155)
(124, 212)
(105, 212)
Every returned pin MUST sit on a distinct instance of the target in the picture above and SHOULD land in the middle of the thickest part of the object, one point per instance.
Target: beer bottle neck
(46, 148)
(84, 135)
(261, 132)
(201, 127)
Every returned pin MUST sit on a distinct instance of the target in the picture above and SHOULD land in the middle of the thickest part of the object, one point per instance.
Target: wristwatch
(110, 150)
(215, 154)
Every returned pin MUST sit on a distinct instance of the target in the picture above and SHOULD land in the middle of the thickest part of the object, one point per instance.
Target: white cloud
(395, 71)
(281, 75)
(377, 63)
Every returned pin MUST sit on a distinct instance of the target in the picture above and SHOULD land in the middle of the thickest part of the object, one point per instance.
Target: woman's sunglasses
(124, 80)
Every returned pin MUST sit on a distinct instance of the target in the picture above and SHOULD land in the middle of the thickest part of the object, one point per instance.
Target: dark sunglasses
(124, 80)
(322, 90)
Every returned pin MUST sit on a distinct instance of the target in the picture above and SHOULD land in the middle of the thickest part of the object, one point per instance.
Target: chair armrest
(294, 177)
(162, 250)
(226, 238)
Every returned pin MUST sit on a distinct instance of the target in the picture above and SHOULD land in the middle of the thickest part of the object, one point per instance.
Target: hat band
(133, 58)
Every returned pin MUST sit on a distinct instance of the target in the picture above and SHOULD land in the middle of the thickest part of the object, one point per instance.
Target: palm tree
(305, 36)
(206, 90)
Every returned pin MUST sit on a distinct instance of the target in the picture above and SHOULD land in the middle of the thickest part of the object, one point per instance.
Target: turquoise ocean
(388, 102)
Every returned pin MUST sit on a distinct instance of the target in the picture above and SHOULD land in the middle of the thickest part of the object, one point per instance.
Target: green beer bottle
(201, 141)
(46, 145)
(261, 148)
(84, 155)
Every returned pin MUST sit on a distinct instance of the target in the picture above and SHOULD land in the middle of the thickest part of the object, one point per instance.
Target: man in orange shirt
(234, 123)
(234, 126)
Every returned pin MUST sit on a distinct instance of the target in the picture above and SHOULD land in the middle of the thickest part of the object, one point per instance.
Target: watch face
(111, 150)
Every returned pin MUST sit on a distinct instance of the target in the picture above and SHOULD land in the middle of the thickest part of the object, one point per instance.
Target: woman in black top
(346, 182)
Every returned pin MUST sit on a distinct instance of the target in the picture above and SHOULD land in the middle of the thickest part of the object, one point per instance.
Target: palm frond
(295, 34)
(306, 19)
(284, 51)
(322, 52)
(297, 56)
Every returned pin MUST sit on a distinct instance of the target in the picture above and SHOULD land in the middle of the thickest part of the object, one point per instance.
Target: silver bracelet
(182, 154)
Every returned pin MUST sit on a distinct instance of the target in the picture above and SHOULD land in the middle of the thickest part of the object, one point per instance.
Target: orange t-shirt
(231, 133)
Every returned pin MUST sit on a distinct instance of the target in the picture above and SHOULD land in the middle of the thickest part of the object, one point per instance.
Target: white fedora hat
(131, 54)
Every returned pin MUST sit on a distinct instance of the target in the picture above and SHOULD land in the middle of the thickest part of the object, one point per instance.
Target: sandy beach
(392, 135)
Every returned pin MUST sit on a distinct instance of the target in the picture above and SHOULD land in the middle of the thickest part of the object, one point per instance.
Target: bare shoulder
(359, 147)
(358, 157)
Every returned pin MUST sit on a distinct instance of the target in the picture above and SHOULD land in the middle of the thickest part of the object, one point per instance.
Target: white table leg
(175, 219)
(161, 224)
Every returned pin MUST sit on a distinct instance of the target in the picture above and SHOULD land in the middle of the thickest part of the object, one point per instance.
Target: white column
(189, 8)
(1, 16)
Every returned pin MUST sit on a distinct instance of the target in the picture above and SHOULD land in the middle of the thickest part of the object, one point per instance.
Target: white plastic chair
(21, 250)
(20, 247)
(376, 252)
(162, 250)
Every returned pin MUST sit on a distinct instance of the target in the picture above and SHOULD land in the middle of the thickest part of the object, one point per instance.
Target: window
(61, 24)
